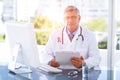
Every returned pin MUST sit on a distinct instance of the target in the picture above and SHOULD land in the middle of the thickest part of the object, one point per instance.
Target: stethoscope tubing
(78, 35)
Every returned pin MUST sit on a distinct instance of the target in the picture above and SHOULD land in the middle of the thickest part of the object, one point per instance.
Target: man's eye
(72, 17)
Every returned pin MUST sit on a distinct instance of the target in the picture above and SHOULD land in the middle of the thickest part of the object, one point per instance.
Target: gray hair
(71, 8)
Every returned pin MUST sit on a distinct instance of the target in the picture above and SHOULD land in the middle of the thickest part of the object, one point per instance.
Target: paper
(64, 57)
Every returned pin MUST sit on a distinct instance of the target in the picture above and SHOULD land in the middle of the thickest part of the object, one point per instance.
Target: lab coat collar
(76, 34)
(68, 32)
(66, 37)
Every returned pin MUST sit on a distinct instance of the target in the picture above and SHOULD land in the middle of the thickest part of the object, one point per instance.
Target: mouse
(72, 73)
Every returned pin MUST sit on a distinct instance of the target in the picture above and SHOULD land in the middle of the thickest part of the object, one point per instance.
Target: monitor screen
(23, 34)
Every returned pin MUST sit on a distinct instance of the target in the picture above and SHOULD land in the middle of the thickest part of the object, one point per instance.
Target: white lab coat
(87, 48)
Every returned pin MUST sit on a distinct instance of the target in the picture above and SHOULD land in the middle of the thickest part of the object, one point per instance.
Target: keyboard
(21, 71)
(48, 68)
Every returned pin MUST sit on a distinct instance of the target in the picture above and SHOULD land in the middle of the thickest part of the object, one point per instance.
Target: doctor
(82, 41)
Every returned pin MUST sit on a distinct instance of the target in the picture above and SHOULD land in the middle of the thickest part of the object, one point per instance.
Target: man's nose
(70, 20)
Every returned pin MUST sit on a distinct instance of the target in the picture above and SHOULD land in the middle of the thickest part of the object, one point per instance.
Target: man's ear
(79, 17)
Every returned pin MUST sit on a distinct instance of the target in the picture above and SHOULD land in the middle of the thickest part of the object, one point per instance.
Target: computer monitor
(22, 43)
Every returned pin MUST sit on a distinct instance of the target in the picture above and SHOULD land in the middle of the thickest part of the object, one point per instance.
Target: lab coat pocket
(83, 49)
(60, 47)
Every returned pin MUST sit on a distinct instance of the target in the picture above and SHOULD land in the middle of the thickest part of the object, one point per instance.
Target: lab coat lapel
(66, 37)
(76, 35)
(68, 46)
(67, 43)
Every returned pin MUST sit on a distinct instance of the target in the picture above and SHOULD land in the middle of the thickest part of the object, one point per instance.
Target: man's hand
(77, 62)
(54, 63)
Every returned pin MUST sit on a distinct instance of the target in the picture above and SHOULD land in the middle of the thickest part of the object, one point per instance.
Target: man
(74, 38)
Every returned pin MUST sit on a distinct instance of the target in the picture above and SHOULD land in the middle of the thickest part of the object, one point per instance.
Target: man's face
(71, 19)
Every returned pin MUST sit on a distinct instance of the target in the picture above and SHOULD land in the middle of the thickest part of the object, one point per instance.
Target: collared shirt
(68, 32)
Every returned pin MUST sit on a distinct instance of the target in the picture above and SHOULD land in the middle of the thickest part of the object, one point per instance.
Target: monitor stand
(17, 67)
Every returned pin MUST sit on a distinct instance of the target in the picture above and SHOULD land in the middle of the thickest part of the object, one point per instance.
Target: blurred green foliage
(43, 26)
(2, 37)
(99, 24)
(42, 37)
(118, 24)
(102, 44)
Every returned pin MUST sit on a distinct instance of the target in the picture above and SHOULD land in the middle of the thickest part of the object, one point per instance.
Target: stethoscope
(76, 38)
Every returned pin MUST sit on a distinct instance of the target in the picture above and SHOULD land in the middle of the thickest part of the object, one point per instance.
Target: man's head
(71, 18)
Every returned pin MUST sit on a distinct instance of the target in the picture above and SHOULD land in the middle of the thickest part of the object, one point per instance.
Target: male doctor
(73, 37)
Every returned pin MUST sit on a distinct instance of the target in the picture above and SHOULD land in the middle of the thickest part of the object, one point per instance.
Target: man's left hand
(77, 62)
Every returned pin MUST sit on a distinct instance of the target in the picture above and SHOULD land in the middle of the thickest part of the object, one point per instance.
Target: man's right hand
(54, 63)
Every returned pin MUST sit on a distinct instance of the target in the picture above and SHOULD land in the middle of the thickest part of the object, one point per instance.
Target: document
(64, 57)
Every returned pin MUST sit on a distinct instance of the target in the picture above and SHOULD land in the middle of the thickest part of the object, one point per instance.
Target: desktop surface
(41, 75)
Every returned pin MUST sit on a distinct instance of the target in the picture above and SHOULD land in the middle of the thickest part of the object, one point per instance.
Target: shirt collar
(68, 32)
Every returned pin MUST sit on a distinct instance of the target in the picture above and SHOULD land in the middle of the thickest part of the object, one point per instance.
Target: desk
(40, 75)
